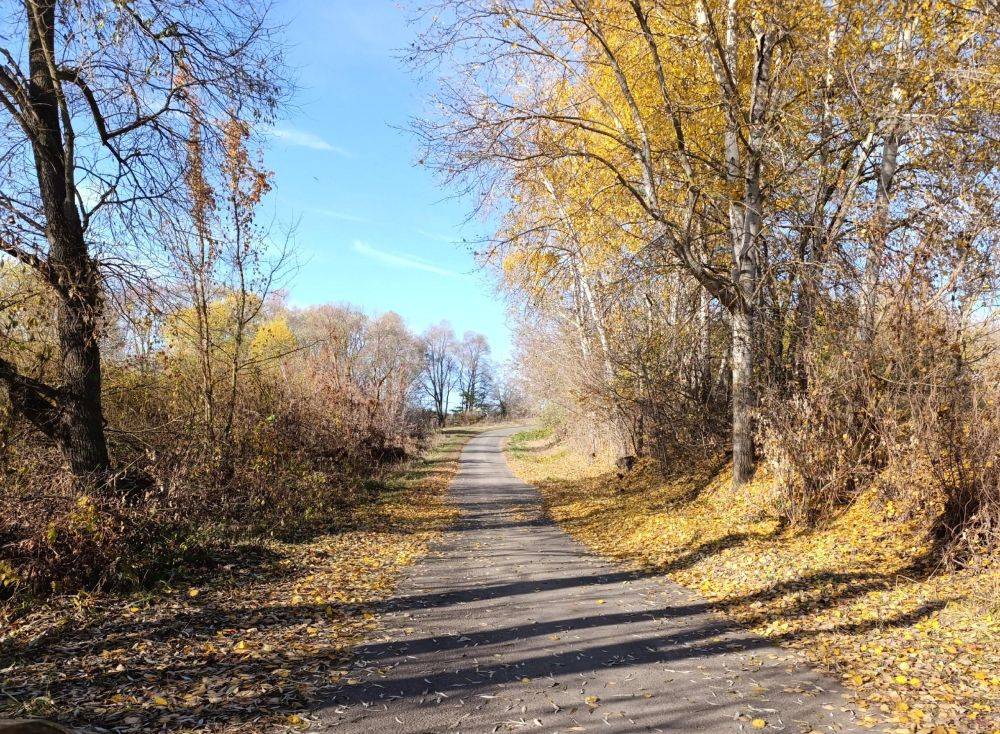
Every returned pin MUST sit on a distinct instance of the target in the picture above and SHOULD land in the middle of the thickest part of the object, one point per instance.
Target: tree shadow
(282, 682)
(271, 684)
(464, 664)
(167, 645)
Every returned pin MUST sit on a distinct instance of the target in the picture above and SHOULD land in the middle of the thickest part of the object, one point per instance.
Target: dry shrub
(281, 480)
(304, 448)
(812, 455)
(657, 391)
(816, 437)
(102, 542)
(58, 536)
(910, 411)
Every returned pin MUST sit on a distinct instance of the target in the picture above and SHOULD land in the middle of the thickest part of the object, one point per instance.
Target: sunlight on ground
(921, 651)
(246, 649)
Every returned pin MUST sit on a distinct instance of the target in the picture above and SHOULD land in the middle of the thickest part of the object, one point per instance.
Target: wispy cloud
(436, 236)
(400, 261)
(304, 139)
(342, 216)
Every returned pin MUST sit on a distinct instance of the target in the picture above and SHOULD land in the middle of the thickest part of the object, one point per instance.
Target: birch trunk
(744, 448)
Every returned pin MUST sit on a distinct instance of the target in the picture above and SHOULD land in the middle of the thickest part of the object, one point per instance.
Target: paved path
(511, 625)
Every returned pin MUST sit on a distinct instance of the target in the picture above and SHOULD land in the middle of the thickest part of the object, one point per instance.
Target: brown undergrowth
(919, 646)
(248, 647)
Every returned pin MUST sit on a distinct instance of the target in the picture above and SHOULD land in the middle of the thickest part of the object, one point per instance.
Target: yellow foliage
(273, 339)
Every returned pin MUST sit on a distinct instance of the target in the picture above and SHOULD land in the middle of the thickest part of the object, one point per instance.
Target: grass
(249, 647)
(920, 650)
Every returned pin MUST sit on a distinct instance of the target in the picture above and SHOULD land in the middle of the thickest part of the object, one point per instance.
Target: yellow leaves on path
(920, 651)
(248, 649)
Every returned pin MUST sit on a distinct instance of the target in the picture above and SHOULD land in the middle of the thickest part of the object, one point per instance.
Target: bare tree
(473, 370)
(227, 268)
(92, 155)
(440, 367)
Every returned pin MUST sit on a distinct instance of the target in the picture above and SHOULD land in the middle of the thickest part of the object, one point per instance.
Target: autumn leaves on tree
(744, 207)
(157, 389)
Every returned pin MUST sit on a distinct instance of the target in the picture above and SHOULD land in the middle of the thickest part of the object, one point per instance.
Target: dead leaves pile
(250, 649)
(921, 653)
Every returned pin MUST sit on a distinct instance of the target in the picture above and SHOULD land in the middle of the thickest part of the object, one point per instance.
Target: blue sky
(374, 229)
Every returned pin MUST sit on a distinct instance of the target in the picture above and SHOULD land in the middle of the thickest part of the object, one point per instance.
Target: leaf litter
(919, 651)
(253, 646)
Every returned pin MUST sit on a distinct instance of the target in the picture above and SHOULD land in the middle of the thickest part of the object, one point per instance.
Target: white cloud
(400, 261)
(304, 139)
(437, 237)
(343, 216)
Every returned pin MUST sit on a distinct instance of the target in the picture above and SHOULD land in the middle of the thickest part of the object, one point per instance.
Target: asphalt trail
(511, 625)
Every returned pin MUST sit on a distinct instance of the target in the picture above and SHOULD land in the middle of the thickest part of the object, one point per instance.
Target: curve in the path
(510, 625)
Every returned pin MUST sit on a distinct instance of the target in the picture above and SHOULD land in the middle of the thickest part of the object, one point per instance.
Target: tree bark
(80, 420)
(704, 367)
(744, 445)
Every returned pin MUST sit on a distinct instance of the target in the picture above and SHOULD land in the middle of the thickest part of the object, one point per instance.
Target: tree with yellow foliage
(778, 154)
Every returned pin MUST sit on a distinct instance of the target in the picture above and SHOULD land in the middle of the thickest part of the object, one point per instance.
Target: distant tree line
(156, 390)
(460, 379)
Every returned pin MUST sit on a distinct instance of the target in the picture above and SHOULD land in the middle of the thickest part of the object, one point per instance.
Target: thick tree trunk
(746, 225)
(82, 436)
(80, 422)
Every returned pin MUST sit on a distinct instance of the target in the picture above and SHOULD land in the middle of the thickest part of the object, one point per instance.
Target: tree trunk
(744, 446)
(704, 368)
(80, 432)
(746, 232)
(83, 441)
(872, 277)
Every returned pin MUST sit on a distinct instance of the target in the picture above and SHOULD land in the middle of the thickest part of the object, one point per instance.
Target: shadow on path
(511, 624)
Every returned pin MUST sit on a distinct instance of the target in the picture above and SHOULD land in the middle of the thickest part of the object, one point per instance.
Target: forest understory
(859, 594)
(247, 644)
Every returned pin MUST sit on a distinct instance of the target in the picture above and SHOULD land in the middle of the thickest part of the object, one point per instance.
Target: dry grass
(247, 648)
(920, 649)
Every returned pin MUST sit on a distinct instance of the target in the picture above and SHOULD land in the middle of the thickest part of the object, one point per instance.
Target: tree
(225, 274)
(440, 367)
(92, 155)
(737, 143)
(506, 396)
(390, 367)
(473, 370)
